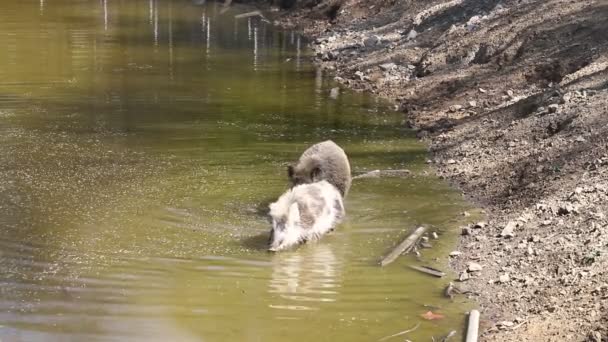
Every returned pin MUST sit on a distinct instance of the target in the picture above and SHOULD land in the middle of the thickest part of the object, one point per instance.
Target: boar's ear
(290, 171)
(315, 174)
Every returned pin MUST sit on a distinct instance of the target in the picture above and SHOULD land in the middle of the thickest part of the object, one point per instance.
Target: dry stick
(404, 246)
(400, 333)
(250, 14)
(428, 270)
(473, 328)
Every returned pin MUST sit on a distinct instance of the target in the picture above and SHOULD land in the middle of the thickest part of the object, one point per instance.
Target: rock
(510, 93)
(464, 276)
(434, 235)
(466, 231)
(509, 230)
(472, 104)
(411, 35)
(504, 278)
(333, 55)
(451, 162)
(566, 209)
(480, 224)
(553, 108)
(505, 324)
(473, 267)
(466, 214)
(483, 91)
(580, 139)
(455, 254)
(371, 41)
(334, 93)
(455, 108)
(388, 66)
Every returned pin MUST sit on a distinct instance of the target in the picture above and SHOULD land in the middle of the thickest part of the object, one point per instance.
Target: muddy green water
(140, 144)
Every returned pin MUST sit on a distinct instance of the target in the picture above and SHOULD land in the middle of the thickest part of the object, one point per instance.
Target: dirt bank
(512, 97)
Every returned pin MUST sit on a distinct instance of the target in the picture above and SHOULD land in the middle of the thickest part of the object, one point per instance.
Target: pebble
(504, 278)
(455, 108)
(505, 324)
(553, 108)
(388, 66)
(509, 230)
(480, 225)
(463, 276)
(371, 41)
(455, 254)
(412, 35)
(473, 267)
(466, 231)
(472, 104)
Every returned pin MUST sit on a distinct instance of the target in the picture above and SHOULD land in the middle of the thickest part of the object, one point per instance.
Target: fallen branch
(251, 14)
(449, 336)
(473, 327)
(400, 333)
(428, 270)
(384, 173)
(403, 247)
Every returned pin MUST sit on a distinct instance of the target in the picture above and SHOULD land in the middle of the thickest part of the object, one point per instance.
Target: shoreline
(512, 100)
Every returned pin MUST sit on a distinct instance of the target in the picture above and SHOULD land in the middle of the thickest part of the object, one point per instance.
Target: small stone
(509, 230)
(466, 231)
(371, 41)
(466, 214)
(483, 91)
(580, 139)
(455, 254)
(546, 222)
(566, 209)
(411, 66)
(510, 93)
(451, 161)
(412, 35)
(504, 278)
(388, 66)
(434, 235)
(455, 108)
(472, 104)
(480, 225)
(474, 267)
(464, 276)
(553, 108)
(505, 324)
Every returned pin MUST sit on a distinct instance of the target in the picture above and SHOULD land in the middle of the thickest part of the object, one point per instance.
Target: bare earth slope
(513, 99)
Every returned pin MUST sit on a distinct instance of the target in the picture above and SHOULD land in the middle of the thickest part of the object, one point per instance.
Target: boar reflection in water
(311, 275)
(304, 212)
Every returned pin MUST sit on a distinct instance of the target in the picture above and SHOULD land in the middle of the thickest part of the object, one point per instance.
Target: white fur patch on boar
(304, 212)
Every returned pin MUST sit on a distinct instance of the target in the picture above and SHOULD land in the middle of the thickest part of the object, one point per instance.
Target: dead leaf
(431, 316)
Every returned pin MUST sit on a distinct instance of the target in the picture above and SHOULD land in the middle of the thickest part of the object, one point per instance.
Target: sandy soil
(512, 97)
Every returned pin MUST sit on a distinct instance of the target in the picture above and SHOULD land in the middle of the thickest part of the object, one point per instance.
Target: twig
(428, 270)
(400, 333)
(449, 336)
(403, 247)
